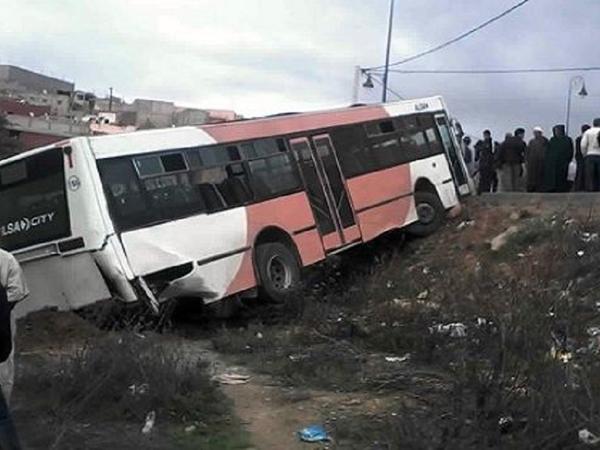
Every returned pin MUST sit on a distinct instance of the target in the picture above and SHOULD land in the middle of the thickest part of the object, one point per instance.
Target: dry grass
(108, 387)
(525, 374)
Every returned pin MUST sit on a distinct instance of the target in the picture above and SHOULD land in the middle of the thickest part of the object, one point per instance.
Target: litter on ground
(232, 378)
(397, 359)
(149, 424)
(454, 330)
(587, 437)
(423, 295)
(313, 433)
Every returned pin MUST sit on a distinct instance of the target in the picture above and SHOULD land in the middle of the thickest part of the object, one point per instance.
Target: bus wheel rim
(279, 273)
(426, 213)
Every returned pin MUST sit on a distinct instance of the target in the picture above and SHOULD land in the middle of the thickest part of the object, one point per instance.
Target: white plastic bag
(572, 170)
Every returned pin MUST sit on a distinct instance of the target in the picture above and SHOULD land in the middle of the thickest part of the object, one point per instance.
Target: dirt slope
(373, 349)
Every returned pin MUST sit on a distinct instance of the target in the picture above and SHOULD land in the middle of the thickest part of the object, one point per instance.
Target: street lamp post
(387, 52)
(573, 83)
(356, 84)
(359, 72)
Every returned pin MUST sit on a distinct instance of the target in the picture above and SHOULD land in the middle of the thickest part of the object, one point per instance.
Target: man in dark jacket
(510, 160)
(13, 280)
(8, 434)
(485, 157)
(580, 174)
(468, 155)
(558, 158)
(13, 289)
(536, 152)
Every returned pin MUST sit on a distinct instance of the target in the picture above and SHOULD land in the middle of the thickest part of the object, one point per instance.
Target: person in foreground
(558, 158)
(590, 149)
(536, 152)
(12, 290)
(510, 159)
(485, 158)
(579, 184)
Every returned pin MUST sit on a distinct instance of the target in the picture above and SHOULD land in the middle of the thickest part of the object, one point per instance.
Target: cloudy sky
(266, 56)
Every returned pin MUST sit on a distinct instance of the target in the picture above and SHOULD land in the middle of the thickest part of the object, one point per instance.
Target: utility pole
(573, 82)
(387, 53)
(110, 99)
(356, 86)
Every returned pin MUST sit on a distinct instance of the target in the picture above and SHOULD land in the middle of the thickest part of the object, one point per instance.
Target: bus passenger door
(326, 192)
(457, 166)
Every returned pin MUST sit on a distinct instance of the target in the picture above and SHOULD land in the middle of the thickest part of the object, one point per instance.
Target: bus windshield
(33, 204)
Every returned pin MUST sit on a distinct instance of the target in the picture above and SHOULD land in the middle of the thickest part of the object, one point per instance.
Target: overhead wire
(389, 89)
(456, 39)
(487, 71)
(497, 71)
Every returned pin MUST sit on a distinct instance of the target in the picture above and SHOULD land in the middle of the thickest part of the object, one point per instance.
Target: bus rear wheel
(278, 270)
(430, 214)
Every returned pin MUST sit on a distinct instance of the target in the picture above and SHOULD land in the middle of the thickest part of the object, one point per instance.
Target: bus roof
(147, 141)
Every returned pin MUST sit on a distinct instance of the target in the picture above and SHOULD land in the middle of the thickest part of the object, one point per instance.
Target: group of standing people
(541, 165)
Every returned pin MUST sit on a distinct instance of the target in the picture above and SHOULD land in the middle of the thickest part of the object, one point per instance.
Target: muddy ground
(426, 344)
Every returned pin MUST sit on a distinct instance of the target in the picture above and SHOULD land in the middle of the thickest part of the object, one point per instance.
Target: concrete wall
(34, 140)
(59, 105)
(190, 117)
(57, 127)
(10, 106)
(157, 107)
(32, 80)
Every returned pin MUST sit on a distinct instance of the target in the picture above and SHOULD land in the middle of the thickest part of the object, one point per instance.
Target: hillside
(435, 343)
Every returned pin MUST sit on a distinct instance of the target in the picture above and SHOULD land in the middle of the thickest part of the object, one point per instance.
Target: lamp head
(369, 82)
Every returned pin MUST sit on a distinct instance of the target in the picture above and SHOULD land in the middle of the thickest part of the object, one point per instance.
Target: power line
(456, 39)
(389, 89)
(498, 71)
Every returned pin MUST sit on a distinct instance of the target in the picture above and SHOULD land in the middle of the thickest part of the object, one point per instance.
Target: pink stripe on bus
(381, 200)
(301, 123)
(376, 187)
(390, 216)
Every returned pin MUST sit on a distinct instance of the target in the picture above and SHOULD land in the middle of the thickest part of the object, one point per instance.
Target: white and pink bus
(220, 210)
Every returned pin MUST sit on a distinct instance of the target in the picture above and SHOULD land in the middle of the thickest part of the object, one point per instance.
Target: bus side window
(173, 196)
(353, 152)
(221, 185)
(435, 144)
(248, 151)
(274, 176)
(262, 148)
(281, 146)
(173, 162)
(126, 200)
(235, 188)
(206, 181)
(412, 138)
(386, 151)
(233, 153)
(214, 156)
(379, 128)
(148, 166)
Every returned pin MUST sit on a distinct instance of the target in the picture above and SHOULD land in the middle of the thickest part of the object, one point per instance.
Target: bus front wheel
(430, 214)
(278, 269)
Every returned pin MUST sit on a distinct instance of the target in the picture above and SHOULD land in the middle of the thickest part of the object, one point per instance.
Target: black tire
(278, 271)
(431, 214)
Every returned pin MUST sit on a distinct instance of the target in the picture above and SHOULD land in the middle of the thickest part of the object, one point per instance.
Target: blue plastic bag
(313, 433)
